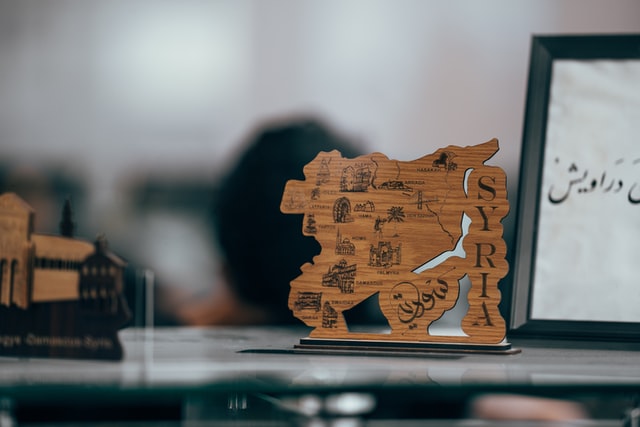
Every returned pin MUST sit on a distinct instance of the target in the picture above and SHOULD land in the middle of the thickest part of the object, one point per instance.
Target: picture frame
(575, 265)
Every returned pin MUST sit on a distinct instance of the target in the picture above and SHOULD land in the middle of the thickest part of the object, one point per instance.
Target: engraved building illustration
(344, 246)
(341, 276)
(384, 255)
(355, 179)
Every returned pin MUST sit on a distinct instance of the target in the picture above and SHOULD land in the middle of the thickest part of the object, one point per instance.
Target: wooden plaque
(407, 231)
(59, 296)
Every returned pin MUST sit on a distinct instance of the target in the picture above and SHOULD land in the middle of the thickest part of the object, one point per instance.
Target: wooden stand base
(398, 348)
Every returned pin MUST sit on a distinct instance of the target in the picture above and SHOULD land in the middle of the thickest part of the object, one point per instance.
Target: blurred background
(134, 108)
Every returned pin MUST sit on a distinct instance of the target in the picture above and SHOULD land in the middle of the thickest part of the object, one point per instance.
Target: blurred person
(261, 248)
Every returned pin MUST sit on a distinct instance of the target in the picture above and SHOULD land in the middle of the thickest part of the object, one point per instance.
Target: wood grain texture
(408, 231)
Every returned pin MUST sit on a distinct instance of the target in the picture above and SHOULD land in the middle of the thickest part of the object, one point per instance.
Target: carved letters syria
(407, 231)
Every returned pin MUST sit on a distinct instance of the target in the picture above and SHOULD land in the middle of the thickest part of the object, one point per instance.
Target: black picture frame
(545, 50)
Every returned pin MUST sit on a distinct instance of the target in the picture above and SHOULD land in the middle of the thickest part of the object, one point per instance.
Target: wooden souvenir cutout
(408, 231)
(59, 296)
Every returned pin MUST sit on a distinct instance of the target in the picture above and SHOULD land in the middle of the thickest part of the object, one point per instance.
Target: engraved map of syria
(409, 231)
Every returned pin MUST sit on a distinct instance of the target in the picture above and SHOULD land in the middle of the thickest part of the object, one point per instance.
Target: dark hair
(263, 247)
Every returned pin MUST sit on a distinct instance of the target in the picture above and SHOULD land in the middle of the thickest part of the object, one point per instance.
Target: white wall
(150, 82)
(108, 87)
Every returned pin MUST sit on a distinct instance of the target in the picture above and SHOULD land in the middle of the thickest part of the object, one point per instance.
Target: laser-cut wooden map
(408, 231)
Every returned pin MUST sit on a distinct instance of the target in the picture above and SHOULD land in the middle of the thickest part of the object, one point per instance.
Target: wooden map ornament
(409, 232)
(59, 296)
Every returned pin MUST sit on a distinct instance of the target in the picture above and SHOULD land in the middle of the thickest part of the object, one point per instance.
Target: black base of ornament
(404, 348)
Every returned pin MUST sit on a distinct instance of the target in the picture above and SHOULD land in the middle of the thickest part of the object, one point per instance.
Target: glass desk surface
(214, 374)
(262, 359)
